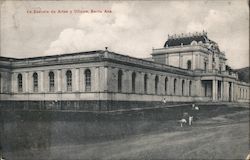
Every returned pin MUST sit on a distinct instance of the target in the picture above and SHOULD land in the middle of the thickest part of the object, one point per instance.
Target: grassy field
(221, 132)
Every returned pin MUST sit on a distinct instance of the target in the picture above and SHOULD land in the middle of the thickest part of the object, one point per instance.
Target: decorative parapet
(216, 73)
(186, 35)
(56, 59)
(178, 49)
(6, 62)
(94, 56)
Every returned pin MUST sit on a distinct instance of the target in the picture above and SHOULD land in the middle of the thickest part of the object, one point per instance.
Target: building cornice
(180, 49)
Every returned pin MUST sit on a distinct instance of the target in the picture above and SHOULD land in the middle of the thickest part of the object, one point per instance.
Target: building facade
(189, 68)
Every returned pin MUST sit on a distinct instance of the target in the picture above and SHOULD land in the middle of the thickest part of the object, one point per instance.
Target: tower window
(220, 69)
(205, 66)
(189, 64)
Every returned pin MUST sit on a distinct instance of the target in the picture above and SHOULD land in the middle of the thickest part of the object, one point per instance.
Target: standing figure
(193, 106)
(190, 120)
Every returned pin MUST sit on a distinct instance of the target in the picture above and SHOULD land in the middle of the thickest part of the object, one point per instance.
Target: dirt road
(221, 137)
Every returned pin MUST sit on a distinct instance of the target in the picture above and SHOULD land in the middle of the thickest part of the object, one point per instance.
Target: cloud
(133, 28)
(95, 31)
(231, 37)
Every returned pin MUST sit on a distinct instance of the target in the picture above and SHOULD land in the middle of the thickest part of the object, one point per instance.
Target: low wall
(81, 105)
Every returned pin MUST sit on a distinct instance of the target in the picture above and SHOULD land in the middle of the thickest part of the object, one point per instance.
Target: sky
(127, 27)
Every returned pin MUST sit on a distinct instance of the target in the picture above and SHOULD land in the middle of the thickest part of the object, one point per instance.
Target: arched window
(183, 87)
(35, 82)
(166, 85)
(120, 80)
(190, 88)
(175, 83)
(189, 64)
(156, 84)
(133, 81)
(69, 80)
(205, 66)
(220, 69)
(20, 82)
(87, 80)
(51, 82)
(145, 83)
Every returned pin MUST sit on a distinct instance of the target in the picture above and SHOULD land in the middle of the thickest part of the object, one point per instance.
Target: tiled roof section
(186, 39)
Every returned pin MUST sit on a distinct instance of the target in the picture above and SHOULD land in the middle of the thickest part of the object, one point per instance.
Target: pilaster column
(41, 82)
(31, 82)
(167, 59)
(215, 88)
(171, 85)
(127, 81)
(105, 80)
(232, 91)
(186, 87)
(96, 79)
(193, 61)
(161, 86)
(180, 61)
(221, 90)
(225, 91)
(77, 79)
(26, 80)
(196, 61)
(81, 79)
(59, 80)
(150, 85)
(13, 82)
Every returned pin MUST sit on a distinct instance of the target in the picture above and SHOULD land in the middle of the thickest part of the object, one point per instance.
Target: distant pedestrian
(196, 108)
(183, 121)
(164, 100)
(194, 111)
(193, 106)
(190, 120)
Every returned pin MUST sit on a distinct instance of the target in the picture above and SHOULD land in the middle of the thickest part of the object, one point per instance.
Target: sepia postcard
(124, 80)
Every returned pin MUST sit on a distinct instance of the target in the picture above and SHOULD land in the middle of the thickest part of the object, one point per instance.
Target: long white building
(189, 68)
